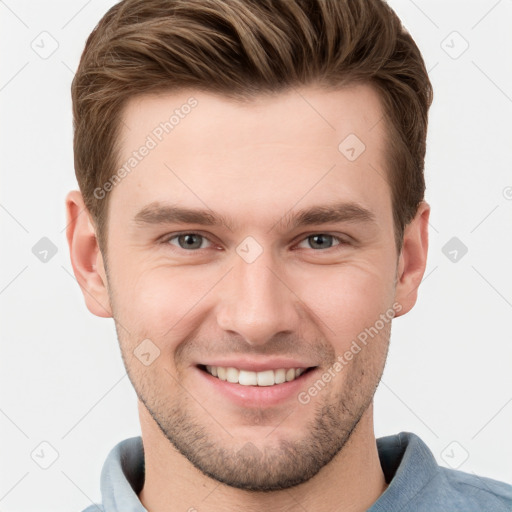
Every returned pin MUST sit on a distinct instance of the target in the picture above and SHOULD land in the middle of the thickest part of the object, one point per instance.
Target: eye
(187, 241)
(191, 241)
(322, 241)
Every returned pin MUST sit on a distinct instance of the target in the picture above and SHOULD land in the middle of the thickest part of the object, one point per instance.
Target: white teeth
(266, 378)
(232, 375)
(280, 376)
(248, 378)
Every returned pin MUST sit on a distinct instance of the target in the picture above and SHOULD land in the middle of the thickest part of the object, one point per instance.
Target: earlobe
(413, 259)
(86, 257)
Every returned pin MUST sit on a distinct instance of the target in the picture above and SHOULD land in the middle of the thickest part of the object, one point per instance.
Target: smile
(250, 378)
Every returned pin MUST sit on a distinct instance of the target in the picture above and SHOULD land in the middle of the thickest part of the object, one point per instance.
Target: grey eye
(320, 241)
(188, 240)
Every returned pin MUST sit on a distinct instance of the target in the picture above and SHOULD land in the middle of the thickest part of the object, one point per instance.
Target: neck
(352, 481)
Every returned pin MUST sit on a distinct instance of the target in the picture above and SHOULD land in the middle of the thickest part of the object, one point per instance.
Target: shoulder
(477, 491)
(418, 483)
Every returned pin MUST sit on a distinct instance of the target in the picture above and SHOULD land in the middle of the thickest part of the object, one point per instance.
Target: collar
(122, 477)
(408, 466)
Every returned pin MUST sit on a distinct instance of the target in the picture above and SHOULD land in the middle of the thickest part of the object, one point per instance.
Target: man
(218, 145)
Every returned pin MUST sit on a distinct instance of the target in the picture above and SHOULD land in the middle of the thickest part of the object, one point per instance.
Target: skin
(254, 164)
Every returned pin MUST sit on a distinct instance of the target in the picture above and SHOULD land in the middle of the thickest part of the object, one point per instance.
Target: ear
(413, 259)
(86, 257)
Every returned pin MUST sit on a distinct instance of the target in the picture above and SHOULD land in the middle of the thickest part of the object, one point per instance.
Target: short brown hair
(241, 49)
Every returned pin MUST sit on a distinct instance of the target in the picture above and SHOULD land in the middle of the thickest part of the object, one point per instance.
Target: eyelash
(167, 239)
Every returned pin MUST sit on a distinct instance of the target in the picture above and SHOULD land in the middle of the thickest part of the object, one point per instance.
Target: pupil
(320, 239)
(191, 240)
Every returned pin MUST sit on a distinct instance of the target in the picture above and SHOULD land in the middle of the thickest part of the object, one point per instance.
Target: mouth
(266, 378)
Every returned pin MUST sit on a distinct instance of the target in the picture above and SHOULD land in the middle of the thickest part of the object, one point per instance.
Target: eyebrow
(162, 213)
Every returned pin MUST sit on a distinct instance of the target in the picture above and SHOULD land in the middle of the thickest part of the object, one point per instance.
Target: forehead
(307, 145)
(324, 115)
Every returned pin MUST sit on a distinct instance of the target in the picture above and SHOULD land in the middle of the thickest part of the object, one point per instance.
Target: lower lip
(257, 396)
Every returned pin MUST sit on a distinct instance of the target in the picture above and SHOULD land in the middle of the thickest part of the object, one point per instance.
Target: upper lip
(255, 365)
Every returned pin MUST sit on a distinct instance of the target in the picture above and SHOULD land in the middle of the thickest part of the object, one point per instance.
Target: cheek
(348, 299)
(159, 302)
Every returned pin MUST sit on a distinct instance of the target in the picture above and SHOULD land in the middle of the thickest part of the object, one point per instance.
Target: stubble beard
(283, 464)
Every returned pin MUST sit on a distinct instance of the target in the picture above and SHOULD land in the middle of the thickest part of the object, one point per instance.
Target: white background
(448, 376)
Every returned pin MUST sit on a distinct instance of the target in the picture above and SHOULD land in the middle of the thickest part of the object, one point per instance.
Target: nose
(256, 301)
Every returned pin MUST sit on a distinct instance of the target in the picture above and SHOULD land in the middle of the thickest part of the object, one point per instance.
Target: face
(254, 242)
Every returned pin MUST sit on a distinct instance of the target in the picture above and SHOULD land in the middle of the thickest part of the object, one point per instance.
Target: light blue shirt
(416, 482)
